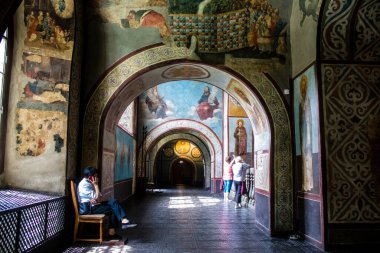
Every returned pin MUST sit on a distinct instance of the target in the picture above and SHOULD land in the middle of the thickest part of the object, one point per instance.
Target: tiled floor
(193, 220)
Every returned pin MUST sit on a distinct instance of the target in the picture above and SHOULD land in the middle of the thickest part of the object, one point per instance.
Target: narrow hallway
(193, 220)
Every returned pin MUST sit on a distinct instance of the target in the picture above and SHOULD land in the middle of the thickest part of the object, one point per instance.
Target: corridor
(193, 220)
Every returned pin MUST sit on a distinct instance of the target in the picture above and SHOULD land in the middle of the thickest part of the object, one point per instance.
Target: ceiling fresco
(183, 99)
(210, 28)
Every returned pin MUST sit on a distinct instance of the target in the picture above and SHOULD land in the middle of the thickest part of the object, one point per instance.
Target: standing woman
(228, 177)
(237, 169)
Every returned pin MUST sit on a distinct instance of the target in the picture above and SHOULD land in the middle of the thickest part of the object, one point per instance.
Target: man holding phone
(90, 203)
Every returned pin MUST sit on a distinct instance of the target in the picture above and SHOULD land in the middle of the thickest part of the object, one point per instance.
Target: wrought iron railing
(29, 219)
(247, 199)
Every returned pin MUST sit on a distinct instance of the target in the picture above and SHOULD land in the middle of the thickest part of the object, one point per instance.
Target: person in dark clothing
(89, 198)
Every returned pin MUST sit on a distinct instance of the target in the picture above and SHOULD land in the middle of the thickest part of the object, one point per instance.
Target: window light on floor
(192, 202)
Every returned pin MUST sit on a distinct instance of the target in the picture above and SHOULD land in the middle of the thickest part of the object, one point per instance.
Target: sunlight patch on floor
(100, 249)
(181, 202)
(191, 202)
(208, 201)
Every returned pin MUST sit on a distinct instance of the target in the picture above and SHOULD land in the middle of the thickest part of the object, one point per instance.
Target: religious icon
(196, 153)
(169, 152)
(207, 103)
(306, 136)
(240, 136)
(182, 147)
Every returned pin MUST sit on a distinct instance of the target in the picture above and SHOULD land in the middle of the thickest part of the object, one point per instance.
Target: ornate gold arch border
(282, 167)
(283, 171)
(109, 84)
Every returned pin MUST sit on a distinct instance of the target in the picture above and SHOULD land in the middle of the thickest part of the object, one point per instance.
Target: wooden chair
(87, 218)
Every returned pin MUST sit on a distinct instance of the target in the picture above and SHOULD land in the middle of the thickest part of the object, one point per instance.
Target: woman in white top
(228, 177)
(238, 169)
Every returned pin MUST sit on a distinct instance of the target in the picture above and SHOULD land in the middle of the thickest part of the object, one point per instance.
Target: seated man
(89, 202)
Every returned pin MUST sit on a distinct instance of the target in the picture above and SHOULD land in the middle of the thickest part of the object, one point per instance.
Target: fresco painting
(63, 8)
(186, 71)
(207, 103)
(108, 163)
(146, 18)
(235, 109)
(133, 14)
(309, 9)
(126, 120)
(262, 170)
(202, 102)
(39, 131)
(124, 155)
(241, 138)
(229, 25)
(129, 3)
(44, 77)
(42, 107)
(306, 118)
(49, 25)
(242, 28)
(249, 104)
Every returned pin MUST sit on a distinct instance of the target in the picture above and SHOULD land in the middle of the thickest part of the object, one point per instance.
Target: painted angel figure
(156, 103)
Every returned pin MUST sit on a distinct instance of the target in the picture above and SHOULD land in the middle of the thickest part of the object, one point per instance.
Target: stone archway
(192, 137)
(125, 77)
(215, 163)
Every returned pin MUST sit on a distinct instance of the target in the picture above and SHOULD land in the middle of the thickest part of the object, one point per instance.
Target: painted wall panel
(262, 209)
(306, 127)
(309, 218)
(241, 138)
(124, 155)
(38, 104)
(126, 121)
(303, 33)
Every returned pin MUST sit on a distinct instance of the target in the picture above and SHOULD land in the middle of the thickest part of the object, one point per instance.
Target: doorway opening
(182, 173)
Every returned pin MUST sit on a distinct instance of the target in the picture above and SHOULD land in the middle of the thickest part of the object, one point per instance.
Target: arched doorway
(209, 144)
(139, 71)
(161, 154)
(182, 172)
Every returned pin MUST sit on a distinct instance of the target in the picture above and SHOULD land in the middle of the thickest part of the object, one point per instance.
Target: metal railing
(247, 199)
(29, 219)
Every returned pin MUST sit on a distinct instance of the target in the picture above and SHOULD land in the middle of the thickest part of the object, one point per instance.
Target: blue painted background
(309, 216)
(124, 155)
(312, 94)
(182, 98)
